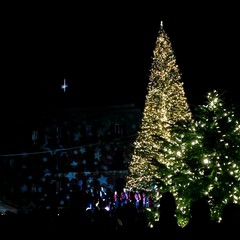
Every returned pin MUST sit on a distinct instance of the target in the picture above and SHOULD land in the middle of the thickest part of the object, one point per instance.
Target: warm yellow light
(205, 161)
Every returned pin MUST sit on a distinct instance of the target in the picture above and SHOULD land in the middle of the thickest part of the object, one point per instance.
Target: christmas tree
(206, 158)
(165, 104)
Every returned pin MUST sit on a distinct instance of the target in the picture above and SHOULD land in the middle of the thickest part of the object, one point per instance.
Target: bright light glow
(206, 161)
(64, 86)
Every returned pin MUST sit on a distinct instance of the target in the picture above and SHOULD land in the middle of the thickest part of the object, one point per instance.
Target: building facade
(71, 149)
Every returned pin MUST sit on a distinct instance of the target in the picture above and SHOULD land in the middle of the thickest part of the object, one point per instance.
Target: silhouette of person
(167, 226)
(230, 223)
(200, 224)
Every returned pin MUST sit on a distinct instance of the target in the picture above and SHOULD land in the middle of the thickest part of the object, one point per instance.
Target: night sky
(104, 53)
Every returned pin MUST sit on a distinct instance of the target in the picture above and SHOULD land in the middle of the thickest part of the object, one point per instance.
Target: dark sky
(104, 53)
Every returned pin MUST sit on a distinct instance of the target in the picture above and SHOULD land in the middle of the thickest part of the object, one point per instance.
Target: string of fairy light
(69, 148)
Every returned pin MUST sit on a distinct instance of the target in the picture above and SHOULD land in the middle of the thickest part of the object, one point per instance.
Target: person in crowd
(200, 224)
(116, 199)
(124, 198)
(230, 220)
(137, 199)
(102, 198)
(167, 227)
(145, 200)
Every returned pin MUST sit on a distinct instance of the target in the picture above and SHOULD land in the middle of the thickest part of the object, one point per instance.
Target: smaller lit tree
(205, 159)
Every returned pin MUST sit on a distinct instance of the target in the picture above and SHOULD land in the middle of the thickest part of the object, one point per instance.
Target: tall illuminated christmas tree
(165, 104)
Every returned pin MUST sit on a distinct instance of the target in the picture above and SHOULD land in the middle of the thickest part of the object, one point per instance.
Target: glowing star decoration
(161, 24)
(64, 86)
(71, 176)
(87, 173)
(82, 150)
(97, 154)
(102, 180)
(74, 164)
(110, 186)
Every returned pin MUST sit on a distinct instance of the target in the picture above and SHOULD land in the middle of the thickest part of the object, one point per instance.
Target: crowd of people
(118, 199)
(124, 216)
